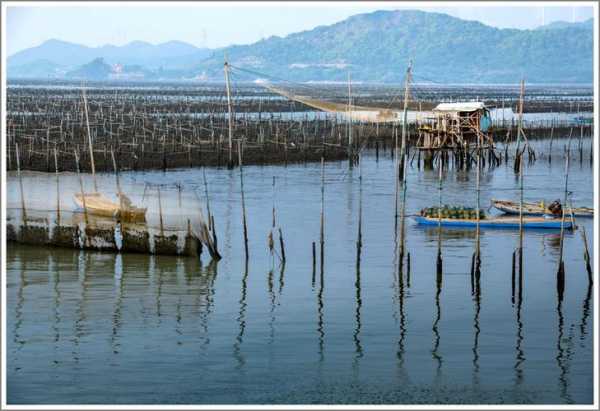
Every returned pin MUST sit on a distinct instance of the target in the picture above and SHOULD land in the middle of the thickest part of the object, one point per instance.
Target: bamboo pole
(350, 142)
(439, 254)
(24, 210)
(586, 257)
(520, 250)
(89, 134)
(206, 193)
(244, 221)
(478, 231)
(518, 153)
(322, 233)
(405, 118)
(402, 218)
(57, 188)
(551, 139)
(85, 212)
(359, 235)
(230, 115)
(116, 170)
(396, 182)
(560, 274)
(160, 214)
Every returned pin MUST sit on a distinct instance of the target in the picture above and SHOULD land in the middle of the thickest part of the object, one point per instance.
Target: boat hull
(97, 204)
(530, 209)
(506, 223)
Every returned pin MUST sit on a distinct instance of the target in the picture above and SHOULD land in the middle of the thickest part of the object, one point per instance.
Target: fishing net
(105, 212)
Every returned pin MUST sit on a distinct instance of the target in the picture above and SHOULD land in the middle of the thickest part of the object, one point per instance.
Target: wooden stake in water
(551, 138)
(403, 215)
(359, 235)
(439, 254)
(160, 214)
(476, 259)
(211, 220)
(87, 122)
(57, 188)
(85, 213)
(586, 257)
(230, 115)
(24, 210)
(270, 242)
(350, 142)
(518, 152)
(322, 233)
(520, 253)
(396, 182)
(560, 273)
(243, 200)
(116, 170)
(405, 119)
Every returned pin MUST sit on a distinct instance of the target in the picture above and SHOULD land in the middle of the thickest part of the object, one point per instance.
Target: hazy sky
(221, 24)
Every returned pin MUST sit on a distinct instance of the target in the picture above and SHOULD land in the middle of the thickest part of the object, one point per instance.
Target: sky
(222, 24)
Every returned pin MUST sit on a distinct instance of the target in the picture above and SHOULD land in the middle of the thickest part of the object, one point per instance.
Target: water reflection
(477, 331)
(320, 325)
(436, 344)
(80, 311)
(92, 278)
(18, 339)
(585, 314)
(53, 270)
(207, 276)
(356, 336)
(562, 356)
(272, 306)
(401, 342)
(116, 317)
(241, 319)
(519, 353)
(281, 279)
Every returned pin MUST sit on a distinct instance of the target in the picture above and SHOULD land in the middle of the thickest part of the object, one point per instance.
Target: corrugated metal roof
(465, 106)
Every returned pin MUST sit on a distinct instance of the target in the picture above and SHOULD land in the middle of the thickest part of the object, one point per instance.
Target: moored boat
(538, 209)
(497, 222)
(98, 204)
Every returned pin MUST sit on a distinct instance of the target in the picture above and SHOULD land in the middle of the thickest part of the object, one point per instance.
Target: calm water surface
(89, 327)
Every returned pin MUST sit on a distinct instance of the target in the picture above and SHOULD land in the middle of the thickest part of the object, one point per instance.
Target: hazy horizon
(215, 25)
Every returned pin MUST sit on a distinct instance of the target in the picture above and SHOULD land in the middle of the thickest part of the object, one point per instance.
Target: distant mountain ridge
(565, 24)
(374, 47)
(172, 54)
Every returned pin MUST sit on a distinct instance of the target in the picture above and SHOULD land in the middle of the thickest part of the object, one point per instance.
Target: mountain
(377, 47)
(97, 69)
(589, 23)
(172, 54)
(38, 69)
(373, 47)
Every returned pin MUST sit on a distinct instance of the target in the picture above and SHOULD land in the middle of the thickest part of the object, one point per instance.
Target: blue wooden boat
(497, 222)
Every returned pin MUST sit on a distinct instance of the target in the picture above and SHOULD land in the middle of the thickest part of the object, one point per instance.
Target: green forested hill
(377, 47)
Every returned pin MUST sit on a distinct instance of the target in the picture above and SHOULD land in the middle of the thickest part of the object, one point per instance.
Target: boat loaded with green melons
(466, 217)
(464, 213)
